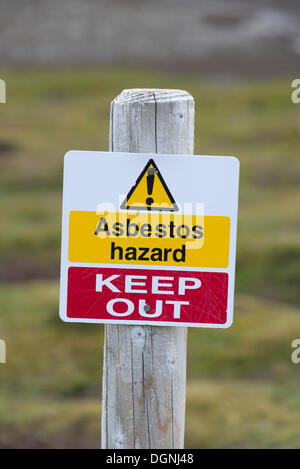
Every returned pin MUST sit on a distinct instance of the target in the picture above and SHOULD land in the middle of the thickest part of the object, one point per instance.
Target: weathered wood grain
(144, 372)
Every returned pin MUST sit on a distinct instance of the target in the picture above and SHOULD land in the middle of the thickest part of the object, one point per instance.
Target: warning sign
(162, 254)
(150, 192)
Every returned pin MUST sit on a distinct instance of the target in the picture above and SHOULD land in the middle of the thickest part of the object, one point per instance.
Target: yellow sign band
(149, 239)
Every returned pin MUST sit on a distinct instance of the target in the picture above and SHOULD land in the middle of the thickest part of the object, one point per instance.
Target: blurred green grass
(242, 388)
(49, 113)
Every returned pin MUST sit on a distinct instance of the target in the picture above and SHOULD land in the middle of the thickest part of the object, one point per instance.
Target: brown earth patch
(25, 269)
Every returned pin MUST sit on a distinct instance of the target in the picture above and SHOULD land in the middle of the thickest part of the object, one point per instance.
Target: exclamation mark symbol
(150, 183)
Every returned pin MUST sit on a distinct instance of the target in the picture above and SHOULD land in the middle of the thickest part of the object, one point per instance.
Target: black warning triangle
(150, 192)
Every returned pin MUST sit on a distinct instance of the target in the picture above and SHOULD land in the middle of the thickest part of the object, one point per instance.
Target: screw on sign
(153, 245)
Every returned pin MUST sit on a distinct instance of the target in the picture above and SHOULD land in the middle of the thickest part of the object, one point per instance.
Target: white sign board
(149, 239)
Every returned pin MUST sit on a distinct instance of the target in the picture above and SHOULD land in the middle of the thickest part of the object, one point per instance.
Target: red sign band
(162, 296)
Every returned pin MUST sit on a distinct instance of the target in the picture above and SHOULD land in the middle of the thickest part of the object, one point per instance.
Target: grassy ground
(242, 386)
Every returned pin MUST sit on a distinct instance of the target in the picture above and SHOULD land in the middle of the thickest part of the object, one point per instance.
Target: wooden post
(144, 372)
